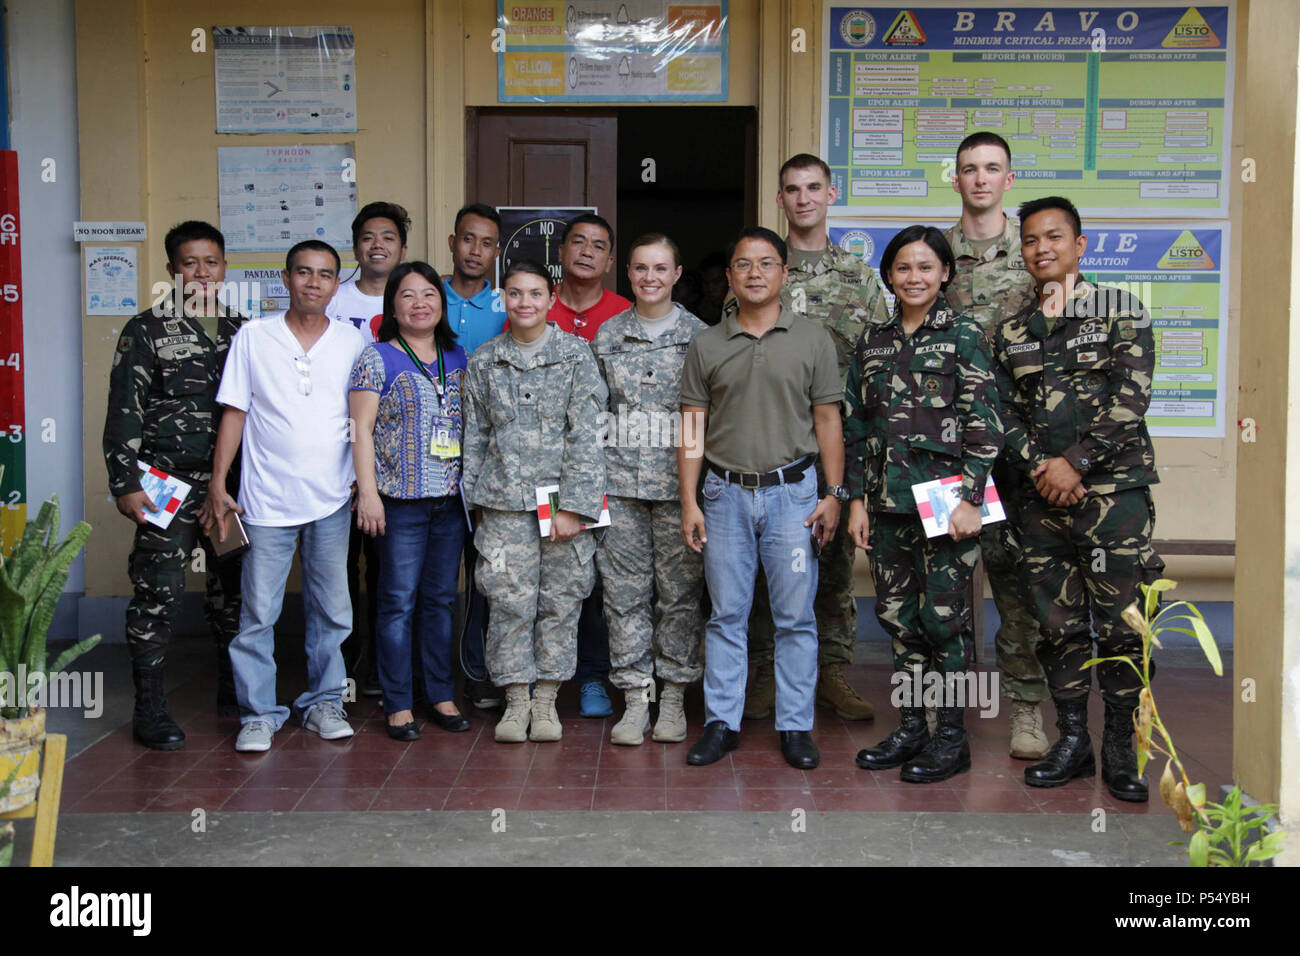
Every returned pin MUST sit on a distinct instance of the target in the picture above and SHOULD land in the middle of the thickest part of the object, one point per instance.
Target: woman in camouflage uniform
(921, 405)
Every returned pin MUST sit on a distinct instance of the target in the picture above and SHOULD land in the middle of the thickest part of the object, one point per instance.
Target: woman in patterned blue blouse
(406, 402)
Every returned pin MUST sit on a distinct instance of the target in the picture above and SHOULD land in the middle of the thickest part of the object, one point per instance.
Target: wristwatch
(839, 491)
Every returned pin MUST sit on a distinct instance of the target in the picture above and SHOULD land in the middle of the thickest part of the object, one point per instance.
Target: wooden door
(545, 158)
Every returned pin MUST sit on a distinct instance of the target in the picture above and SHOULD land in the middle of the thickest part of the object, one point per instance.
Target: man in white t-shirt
(285, 388)
(379, 243)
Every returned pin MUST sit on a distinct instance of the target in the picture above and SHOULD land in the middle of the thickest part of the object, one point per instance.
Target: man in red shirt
(582, 303)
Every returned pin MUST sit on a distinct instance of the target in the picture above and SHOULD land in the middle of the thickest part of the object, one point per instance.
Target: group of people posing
(431, 419)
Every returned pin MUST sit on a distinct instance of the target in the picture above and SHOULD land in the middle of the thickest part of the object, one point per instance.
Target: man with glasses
(285, 388)
(761, 392)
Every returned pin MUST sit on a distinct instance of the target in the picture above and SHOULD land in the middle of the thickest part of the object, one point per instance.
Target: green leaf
(1196, 794)
(1211, 649)
(73, 652)
(1143, 756)
(1198, 849)
(1152, 600)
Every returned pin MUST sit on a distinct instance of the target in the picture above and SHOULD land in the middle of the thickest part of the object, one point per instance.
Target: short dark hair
(589, 217)
(757, 232)
(984, 138)
(442, 333)
(1027, 209)
(313, 245)
(932, 237)
(191, 230)
(482, 210)
(530, 267)
(654, 239)
(381, 210)
(803, 161)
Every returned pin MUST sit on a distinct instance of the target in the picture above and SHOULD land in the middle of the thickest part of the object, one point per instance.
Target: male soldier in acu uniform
(990, 285)
(839, 291)
(1074, 377)
(162, 410)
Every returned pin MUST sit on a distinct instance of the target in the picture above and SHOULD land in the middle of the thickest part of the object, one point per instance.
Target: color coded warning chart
(1124, 109)
(13, 445)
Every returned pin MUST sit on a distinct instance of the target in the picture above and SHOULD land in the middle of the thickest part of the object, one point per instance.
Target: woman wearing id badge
(406, 403)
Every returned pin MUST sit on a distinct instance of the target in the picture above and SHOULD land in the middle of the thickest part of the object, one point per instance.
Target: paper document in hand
(548, 502)
(935, 501)
(166, 492)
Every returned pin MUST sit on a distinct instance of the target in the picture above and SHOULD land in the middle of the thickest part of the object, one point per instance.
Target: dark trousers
(593, 639)
(472, 660)
(361, 642)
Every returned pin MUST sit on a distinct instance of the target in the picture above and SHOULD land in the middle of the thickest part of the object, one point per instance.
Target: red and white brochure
(936, 499)
(548, 497)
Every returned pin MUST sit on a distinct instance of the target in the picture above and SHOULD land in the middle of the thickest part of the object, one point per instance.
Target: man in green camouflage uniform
(162, 410)
(991, 284)
(653, 582)
(532, 418)
(838, 290)
(1074, 373)
(921, 405)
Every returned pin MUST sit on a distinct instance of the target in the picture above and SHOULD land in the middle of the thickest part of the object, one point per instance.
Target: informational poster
(111, 280)
(13, 413)
(652, 51)
(533, 232)
(1179, 272)
(257, 289)
(285, 79)
(272, 197)
(1124, 108)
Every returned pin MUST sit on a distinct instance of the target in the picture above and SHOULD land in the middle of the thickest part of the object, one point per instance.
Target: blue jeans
(419, 559)
(743, 525)
(328, 610)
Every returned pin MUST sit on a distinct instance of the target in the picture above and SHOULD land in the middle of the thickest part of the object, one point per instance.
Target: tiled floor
(470, 771)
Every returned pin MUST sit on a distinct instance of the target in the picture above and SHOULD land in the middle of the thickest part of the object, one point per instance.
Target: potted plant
(31, 580)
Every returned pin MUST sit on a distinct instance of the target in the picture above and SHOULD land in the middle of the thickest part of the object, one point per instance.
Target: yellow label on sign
(534, 74)
(13, 521)
(1191, 31)
(693, 74)
(534, 24)
(1185, 253)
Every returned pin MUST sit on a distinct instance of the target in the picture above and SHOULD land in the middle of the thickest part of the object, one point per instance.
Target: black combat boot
(1118, 762)
(911, 737)
(1071, 756)
(948, 752)
(151, 723)
(227, 701)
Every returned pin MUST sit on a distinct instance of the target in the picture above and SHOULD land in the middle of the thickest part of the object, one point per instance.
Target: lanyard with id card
(444, 442)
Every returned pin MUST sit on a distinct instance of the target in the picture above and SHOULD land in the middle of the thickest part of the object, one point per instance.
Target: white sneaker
(328, 720)
(254, 737)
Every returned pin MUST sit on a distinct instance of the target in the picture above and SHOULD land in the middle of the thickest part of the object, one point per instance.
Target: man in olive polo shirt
(761, 396)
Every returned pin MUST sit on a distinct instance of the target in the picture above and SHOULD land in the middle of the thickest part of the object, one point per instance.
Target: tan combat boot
(631, 730)
(1028, 742)
(834, 691)
(671, 725)
(760, 696)
(512, 728)
(546, 722)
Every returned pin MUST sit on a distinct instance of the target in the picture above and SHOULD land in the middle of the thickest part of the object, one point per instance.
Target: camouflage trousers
(534, 588)
(922, 588)
(1022, 674)
(157, 565)
(652, 587)
(1080, 569)
(835, 607)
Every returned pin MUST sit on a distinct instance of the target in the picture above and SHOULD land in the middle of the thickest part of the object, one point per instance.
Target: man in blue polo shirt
(475, 314)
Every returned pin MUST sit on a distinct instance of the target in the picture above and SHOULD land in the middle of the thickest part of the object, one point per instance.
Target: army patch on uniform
(172, 327)
(934, 363)
(1095, 382)
(1087, 356)
(1126, 330)
(932, 385)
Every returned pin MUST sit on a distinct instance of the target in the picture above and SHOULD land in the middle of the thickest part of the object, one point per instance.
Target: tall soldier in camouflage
(162, 410)
(533, 400)
(921, 405)
(990, 285)
(838, 290)
(1074, 372)
(653, 582)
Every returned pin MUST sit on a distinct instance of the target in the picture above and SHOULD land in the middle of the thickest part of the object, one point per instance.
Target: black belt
(754, 479)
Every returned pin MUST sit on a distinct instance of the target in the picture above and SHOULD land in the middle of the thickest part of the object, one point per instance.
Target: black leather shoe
(1071, 756)
(404, 732)
(1118, 762)
(947, 754)
(716, 742)
(911, 737)
(798, 749)
(452, 723)
(150, 723)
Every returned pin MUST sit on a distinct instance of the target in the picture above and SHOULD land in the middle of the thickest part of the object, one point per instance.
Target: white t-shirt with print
(353, 306)
(297, 462)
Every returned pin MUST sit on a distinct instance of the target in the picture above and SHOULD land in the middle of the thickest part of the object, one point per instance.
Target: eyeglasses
(744, 266)
(303, 364)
